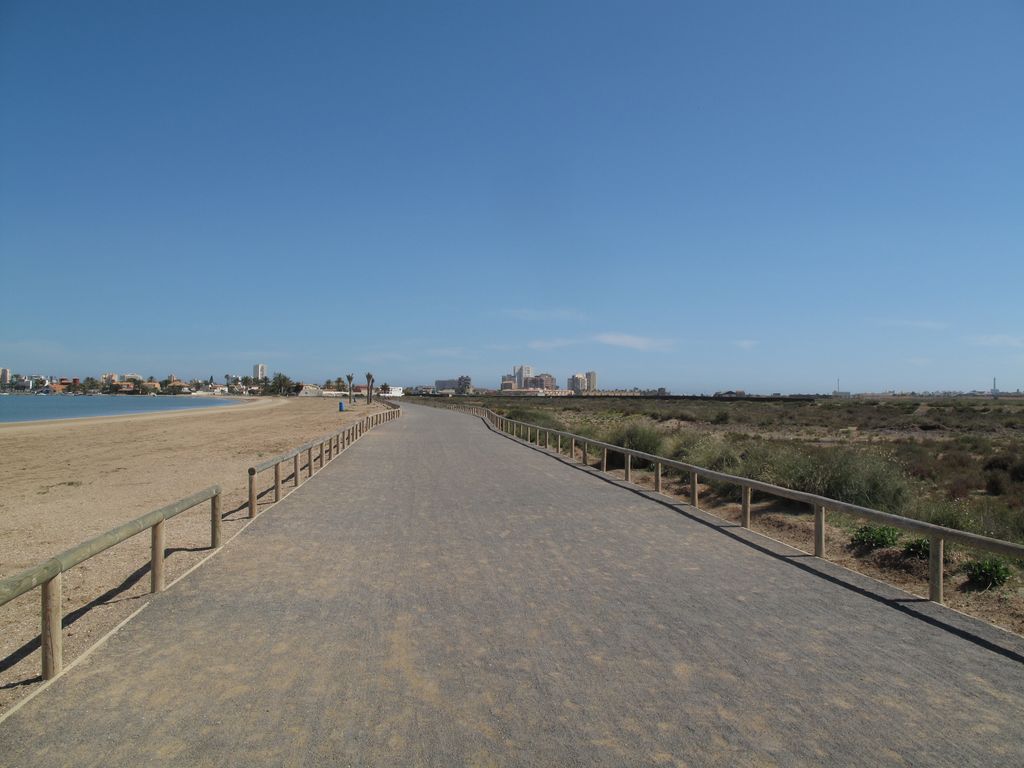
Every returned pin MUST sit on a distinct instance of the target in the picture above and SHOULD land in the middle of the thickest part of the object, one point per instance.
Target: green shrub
(538, 418)
(637, 436)
(951, 514)
(999, 461)
(1017, 472)
(917, 548)
(722, 417)
(996, 518)
(997, 483)
(875, 536)
(987, 572)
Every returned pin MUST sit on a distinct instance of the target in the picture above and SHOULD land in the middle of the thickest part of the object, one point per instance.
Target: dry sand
(65, 481)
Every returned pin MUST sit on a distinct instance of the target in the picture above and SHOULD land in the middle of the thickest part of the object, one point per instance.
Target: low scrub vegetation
(637, 436)
(867, 478)
(919, 549)
(538, 417)
(987, 572)
(875, 537)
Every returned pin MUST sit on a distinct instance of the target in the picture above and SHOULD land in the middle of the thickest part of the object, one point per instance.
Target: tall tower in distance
(259, 371)
(522, 373)
(591, 381)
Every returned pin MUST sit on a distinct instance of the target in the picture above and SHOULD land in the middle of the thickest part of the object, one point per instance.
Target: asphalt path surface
(445, 595)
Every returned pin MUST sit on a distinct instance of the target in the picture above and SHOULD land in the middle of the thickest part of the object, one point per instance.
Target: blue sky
(763, 196)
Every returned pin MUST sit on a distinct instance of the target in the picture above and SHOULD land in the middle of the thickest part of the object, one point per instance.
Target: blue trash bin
(341, 405)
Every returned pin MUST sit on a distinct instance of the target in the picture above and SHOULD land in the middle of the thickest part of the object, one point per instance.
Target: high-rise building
(5, 377)
(591, 381)
(522, 373)
(259, 371)
(577, 383)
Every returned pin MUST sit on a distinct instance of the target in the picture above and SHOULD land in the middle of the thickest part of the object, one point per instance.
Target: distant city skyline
(587, 381)
(697, 197)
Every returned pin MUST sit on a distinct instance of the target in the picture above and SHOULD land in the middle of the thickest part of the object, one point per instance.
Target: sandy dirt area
(66, 481)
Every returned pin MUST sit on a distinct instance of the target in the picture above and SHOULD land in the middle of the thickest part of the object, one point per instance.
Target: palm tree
(369, 388)
(350, 376)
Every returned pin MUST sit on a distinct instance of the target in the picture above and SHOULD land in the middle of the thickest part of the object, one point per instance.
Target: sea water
(39, 407)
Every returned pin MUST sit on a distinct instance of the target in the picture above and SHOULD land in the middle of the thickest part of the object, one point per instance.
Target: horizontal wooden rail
(48, 574)
(328, 447)
(937, 534)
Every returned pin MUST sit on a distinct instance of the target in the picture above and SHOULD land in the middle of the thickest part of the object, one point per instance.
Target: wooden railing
(937, 534)
(324, 449)
(48, 575)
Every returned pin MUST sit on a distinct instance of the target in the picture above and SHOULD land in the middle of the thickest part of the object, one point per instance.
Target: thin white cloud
(746, 343)
(551, 343)
(999, 340)
(631, 342)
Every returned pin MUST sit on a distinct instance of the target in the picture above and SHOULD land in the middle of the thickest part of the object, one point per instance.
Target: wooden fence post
(559, 443)
(321, 454)
(156, 558)
(572, 448)
(935, 575)
(745, 514)
(295, 471)
(252, 493)
(694, 490)
(629, 465)
(309, 460)
(215, 521)
(585, 460)
(657, 477)
(819, 530)
(604, 459)
(51, 637)
(277, 481)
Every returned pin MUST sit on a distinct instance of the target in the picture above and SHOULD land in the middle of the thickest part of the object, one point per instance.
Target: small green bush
(722, 417)
(1017, 472)
(536, 417)
(917, 548)
(637, 436)
(999, 461)
(987, 572)
(950, 514)
(997, 483)
(875, 536)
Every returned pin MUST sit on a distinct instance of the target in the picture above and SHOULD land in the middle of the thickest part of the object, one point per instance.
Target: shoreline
(248, 403)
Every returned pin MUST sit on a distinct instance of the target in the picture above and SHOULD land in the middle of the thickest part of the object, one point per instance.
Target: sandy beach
(65, 481)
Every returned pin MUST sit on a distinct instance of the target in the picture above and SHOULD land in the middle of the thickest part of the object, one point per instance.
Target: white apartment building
(259, 371)
(577, 383)
(522, 373)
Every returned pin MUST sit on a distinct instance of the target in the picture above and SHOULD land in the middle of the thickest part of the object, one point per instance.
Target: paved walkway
(443, 595)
